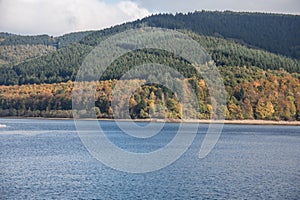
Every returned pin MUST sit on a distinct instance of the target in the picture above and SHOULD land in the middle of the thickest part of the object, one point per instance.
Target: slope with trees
(63, 64)
(252, 93)
(36, 72)
(273, 32)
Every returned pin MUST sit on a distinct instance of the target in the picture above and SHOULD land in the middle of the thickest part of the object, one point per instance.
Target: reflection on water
(46, 158)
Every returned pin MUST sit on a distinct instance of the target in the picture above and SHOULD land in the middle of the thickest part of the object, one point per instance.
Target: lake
(44, 159)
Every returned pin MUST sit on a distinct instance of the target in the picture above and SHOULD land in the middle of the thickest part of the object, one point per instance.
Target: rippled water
(43, 159)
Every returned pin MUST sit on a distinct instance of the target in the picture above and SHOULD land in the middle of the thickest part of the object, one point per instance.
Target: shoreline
(192, 121)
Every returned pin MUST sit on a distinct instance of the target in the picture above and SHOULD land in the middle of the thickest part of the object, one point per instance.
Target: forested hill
(272, 32)
(257, 54)
(8, 39)
(267, 41)
(62, 65)
(276, 33)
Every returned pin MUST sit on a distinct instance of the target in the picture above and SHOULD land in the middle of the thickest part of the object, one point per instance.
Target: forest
(273, 32)
(252, 93)
(63, 64)
(257, 55)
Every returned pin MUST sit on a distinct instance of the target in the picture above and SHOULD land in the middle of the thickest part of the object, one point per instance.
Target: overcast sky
(57, 17)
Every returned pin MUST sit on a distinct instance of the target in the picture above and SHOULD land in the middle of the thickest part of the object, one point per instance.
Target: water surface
(46, 159)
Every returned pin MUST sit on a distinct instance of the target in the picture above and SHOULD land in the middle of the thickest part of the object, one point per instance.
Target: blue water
(45, 159)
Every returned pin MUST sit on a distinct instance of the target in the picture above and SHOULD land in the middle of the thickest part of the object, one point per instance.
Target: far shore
(200, 121)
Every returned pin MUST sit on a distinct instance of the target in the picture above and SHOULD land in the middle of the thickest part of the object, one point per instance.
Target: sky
(58, 17)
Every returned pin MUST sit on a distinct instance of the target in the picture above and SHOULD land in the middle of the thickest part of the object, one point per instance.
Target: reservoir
(46, 159)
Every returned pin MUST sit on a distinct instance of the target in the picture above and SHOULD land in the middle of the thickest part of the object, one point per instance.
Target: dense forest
(273, 32)
(276, 33)
(63, 64)
(257, 55)
(252, 93)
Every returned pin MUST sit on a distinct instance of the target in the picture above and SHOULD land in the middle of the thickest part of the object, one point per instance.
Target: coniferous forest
(258, 56)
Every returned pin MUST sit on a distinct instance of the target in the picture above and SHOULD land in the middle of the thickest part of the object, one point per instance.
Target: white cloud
(277, 6)
(57, 17)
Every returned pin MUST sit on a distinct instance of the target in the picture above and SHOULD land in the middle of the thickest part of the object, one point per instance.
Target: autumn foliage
(252, 93)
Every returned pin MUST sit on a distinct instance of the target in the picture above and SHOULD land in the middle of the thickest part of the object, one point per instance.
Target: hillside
(272, 32)
(252, 93)
(16, 54)
(62, 65)
(257, 55)
(8, 39)
(276, 33)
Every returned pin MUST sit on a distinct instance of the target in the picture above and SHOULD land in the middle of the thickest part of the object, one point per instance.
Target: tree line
(252, 93)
